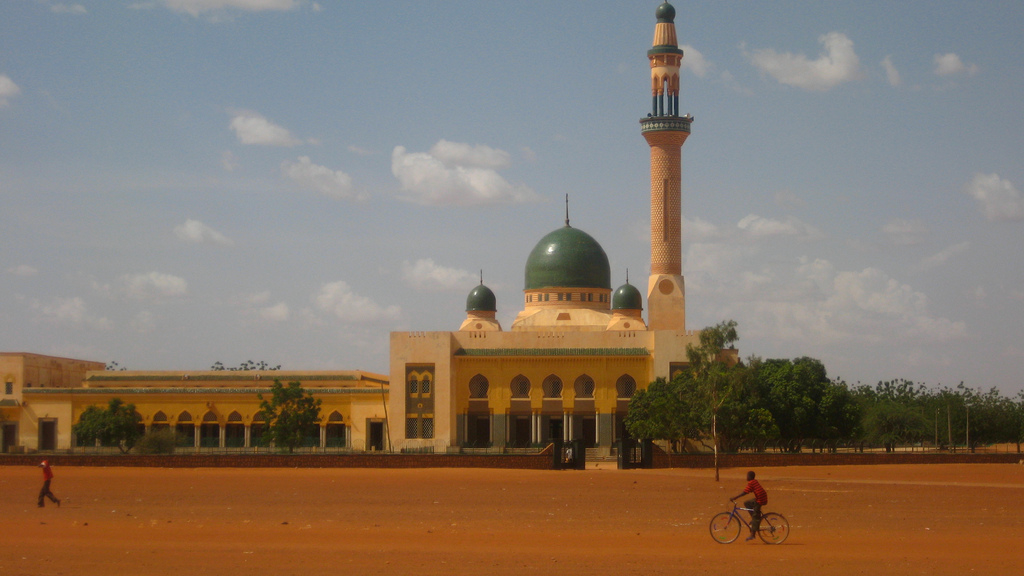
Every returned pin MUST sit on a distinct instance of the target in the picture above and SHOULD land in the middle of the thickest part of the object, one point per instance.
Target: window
(425, 387)
(478, 386)
(552, 387)
(414, 387)
(584, 387)
(8, 388)
(520, 387)
(625, 386)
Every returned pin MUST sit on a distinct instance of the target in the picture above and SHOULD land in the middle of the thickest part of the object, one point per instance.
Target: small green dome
(568, 258)
(665, 13)
(481, 299)
(627, 297)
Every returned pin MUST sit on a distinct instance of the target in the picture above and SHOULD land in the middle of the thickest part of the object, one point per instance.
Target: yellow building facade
(210, 410)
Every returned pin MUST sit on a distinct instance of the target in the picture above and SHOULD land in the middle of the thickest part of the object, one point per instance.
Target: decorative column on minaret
(665, 131)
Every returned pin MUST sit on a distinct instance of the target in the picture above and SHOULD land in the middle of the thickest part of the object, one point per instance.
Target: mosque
(565, 369)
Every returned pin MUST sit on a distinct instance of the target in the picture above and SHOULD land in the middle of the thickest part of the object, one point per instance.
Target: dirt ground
(902, 519)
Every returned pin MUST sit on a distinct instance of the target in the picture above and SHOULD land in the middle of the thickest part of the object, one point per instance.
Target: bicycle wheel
(774, 528)
(724, 528)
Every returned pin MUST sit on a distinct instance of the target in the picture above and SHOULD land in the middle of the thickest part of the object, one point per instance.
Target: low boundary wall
(752, 460)
(542, 460)
(536, 461)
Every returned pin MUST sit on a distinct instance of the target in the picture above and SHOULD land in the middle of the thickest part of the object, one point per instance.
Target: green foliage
(291, 415)
(665, 410)
(117, 425)
(160, 441)
(247, 365)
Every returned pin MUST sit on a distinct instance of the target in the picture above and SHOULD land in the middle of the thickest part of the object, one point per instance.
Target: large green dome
(568, 258)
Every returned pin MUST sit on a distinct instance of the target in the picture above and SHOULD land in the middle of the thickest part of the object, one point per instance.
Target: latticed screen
(520, 387)
(584, 387)
(419, 401)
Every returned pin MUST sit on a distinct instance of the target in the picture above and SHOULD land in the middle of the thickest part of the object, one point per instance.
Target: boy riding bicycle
(760, 499)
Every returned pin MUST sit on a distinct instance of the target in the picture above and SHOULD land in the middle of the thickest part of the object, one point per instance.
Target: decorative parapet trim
(552, 352)
(191, 390)
(659, 123)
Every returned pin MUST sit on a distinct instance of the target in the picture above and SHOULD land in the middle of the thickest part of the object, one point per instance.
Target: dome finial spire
(481, 276)
(567, 209)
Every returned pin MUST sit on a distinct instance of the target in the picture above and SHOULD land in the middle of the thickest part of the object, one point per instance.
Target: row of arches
(551, 387)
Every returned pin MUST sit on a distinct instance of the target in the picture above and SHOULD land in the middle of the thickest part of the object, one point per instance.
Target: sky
(184, 182)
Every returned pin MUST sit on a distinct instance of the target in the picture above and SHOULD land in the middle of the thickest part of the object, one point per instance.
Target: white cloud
(837, 64)
(251, 128)
(696, 230)
(8, 89)
(23, 270)
(453, 154)
(997, 198)
(695, 62)
(905, 232)
(951, 65)
(759, 227)
(943, 256)
(333, 183)
(153, 285)
(70, 311)
(197, 7)
(277, 313)
(460, 175)
(338, 298)
(196, 232)
(891, 73)
(68, 9)
(425, 274)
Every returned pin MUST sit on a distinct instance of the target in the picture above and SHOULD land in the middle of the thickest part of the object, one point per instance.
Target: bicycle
(725, 526)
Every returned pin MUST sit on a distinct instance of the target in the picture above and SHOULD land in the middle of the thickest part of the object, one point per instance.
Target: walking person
(760, 499)
(45, 491)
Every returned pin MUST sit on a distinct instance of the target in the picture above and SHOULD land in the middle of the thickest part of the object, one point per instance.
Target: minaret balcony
(659, 123)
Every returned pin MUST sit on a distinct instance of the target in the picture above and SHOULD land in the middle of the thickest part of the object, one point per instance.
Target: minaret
(665, 131)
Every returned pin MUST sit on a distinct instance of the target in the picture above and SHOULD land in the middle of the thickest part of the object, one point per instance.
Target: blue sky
(191, 181)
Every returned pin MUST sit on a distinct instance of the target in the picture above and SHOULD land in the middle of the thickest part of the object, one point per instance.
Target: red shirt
(47, 473)
(759, 493)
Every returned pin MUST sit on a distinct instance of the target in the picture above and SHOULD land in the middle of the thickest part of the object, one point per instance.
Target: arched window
(478, 386)
(184, 416)
(209, 417)
(234, 417)
(335, 417)
(625, 386)
(160, 416)
(584, 387)
(552, 387)
(520, 387)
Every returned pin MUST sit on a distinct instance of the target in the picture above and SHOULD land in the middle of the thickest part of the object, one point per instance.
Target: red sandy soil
(900, 519)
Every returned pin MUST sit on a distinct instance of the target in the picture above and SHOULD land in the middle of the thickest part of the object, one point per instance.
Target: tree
(117, 425)
(663, 411)
(247, 365)
(291, 415)
(715, 372)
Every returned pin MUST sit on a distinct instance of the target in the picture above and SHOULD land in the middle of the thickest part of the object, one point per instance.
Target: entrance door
(10, 437)
(375, 439)
(555, 429)
(47, 434)
(589, 424)
(521, 432)
(479, 433)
